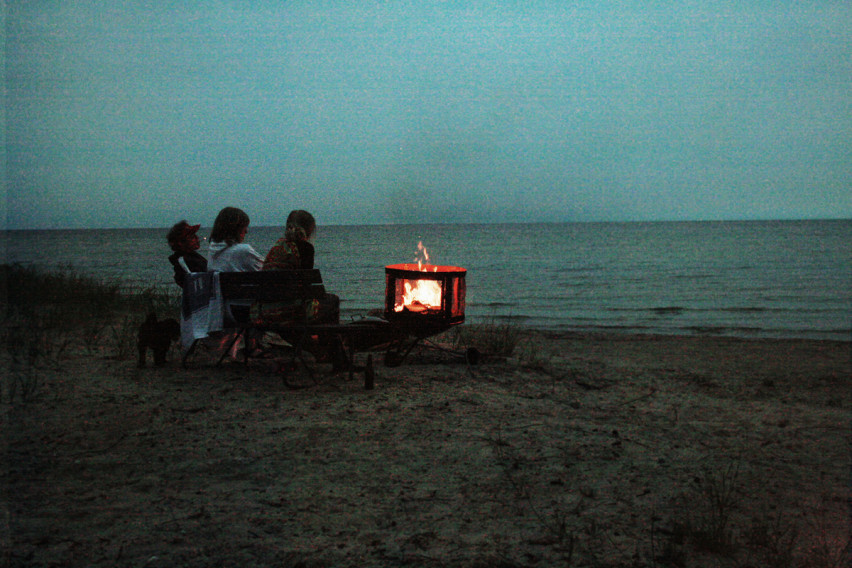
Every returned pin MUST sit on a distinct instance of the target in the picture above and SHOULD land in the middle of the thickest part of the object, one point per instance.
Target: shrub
(491, 338)
(57, 304)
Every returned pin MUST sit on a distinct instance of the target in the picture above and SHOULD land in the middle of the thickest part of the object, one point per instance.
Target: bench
(298, 287)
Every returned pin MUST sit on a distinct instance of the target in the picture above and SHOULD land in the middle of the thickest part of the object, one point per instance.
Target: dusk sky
(139, 114)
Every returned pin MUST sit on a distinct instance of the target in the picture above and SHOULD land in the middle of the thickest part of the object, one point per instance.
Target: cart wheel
(472, 356)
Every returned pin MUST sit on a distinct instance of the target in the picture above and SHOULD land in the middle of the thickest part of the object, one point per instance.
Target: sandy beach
(581, 450)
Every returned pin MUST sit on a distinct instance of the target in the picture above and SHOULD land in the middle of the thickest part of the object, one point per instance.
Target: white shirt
(239, 257)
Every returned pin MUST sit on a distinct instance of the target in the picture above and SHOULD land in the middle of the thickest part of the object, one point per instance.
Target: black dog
(157, 335)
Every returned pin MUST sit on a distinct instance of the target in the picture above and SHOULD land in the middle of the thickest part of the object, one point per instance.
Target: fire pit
(424, 298)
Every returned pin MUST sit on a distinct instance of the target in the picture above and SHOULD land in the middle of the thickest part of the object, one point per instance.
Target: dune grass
(24, 289)
(46, 313)
(492, 338)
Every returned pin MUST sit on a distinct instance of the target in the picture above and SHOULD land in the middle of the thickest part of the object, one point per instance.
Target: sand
(584, 450)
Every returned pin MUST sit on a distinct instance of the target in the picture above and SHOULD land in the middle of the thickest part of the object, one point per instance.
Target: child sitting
(183, 240)
(292, 252)
(294, 249)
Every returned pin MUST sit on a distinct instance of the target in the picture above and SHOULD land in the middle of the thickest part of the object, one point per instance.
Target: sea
(732, 278)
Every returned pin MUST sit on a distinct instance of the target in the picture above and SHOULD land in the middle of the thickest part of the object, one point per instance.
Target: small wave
(494, 318)
(723, 330)
(618, 328)
(668, 310)
(491, 304)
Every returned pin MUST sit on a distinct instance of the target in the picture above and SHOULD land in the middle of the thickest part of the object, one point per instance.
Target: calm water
(778, 278)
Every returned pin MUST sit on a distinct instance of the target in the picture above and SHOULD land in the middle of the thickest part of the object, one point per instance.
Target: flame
(422, 256)
(420, 295)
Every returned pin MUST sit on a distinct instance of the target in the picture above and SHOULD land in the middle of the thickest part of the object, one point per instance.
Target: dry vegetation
(568, 450)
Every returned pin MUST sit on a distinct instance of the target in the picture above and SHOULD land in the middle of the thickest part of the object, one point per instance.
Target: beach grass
(492, 337)
(65, 288)
(46, 313)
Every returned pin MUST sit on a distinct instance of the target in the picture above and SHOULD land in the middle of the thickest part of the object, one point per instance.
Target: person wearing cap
(183, 239)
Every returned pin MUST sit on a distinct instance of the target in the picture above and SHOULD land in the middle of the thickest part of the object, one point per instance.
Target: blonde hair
(301, 219)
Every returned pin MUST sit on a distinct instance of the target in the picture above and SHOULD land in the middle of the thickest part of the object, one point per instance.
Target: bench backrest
(272, 285)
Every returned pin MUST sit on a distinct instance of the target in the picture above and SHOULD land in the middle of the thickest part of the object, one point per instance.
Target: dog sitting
(157, 336)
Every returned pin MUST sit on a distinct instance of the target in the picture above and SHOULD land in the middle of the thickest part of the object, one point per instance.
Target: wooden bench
(297, 287)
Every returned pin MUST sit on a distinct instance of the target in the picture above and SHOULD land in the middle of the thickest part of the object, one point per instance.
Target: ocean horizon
(467, 223)
(785, 278)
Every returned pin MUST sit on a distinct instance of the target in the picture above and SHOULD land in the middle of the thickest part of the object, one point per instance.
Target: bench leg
(369, 373)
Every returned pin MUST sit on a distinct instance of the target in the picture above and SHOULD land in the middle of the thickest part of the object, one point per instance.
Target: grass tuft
(492, 338)
(47, 312)
(721, 494)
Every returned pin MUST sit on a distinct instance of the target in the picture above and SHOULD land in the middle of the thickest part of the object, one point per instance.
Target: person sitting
(228, 253)
(295, 251)
(183, 240)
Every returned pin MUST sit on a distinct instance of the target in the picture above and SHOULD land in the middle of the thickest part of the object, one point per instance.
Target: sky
(139, 114)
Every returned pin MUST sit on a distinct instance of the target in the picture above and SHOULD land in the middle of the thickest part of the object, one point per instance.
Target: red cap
(190, 230)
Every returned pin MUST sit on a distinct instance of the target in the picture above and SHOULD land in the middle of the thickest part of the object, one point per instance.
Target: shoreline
(580, 447)
(708, 331)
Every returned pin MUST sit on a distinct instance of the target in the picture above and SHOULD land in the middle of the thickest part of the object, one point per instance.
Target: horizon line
(393, 224)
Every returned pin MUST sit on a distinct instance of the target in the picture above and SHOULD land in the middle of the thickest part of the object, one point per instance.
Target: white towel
(202, 309)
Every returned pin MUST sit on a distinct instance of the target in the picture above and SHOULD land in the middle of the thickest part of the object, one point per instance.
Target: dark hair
(180, 231)
(176, 233)
(303, 219)
(228, 225)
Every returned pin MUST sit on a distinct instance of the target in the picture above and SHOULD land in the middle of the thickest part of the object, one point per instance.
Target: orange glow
(419, 296)
(422, 256)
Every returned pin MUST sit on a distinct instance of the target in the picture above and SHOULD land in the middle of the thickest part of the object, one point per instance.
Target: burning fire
(422, 259)
(420, 295)
(422, 256)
